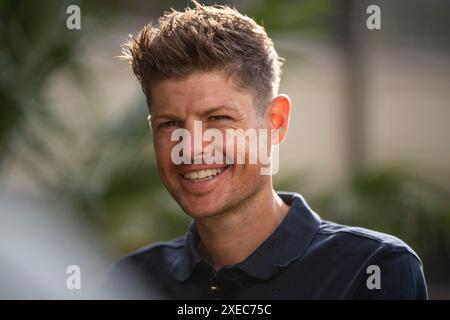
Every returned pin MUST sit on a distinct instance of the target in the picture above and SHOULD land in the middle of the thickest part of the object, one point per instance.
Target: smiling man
(214, 69)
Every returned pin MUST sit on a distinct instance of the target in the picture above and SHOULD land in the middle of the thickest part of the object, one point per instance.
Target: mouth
(204, 174)
(204, 180)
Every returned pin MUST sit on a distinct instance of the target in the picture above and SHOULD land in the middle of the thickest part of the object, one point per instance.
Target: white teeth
(203, 174)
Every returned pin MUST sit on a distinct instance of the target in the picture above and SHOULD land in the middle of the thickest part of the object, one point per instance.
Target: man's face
(204, 190)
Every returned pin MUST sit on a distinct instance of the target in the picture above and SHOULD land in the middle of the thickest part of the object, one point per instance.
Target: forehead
(198, 92)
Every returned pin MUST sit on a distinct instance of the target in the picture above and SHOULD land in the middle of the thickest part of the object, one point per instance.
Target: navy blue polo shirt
(304, 258)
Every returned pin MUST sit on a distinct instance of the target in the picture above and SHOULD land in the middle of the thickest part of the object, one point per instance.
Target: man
(212, 68)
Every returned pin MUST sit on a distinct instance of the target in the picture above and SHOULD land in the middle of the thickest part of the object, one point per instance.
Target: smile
(204, 175)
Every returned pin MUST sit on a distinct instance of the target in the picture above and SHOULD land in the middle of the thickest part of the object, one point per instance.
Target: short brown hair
(206, 38)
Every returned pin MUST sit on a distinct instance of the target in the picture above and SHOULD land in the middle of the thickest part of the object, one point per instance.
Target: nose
(196, 147)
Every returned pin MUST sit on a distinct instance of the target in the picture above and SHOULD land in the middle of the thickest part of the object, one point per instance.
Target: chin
(199, 209)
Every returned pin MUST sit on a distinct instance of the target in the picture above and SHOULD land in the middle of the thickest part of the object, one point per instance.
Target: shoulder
(164, 252)
(142, 273)
(362, 239)
(361, 249)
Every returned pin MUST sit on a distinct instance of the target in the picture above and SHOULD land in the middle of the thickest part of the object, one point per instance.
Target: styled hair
(202, 39)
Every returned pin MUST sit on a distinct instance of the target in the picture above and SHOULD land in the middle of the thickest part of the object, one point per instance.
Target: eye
(219, 118)
(168, 124)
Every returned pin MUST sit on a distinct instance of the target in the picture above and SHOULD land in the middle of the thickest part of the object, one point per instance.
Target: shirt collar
(286, 244)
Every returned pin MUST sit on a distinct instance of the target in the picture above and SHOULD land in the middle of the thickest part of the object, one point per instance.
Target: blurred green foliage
(32, 47)
(313, 17)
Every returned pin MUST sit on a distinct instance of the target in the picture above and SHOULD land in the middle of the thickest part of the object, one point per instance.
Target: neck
(230, 237)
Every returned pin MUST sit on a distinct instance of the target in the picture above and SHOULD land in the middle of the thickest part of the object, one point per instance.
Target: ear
(277, 114)
(149, 119)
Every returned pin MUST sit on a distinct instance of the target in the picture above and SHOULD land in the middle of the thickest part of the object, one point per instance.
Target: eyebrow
(212, 110)
(167, 116)
(203, 113)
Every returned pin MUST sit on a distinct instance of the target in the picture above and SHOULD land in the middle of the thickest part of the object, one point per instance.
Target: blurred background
(368, 143)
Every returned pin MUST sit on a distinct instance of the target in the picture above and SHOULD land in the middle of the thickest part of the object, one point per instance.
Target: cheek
(163, 154)
(252, 152)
